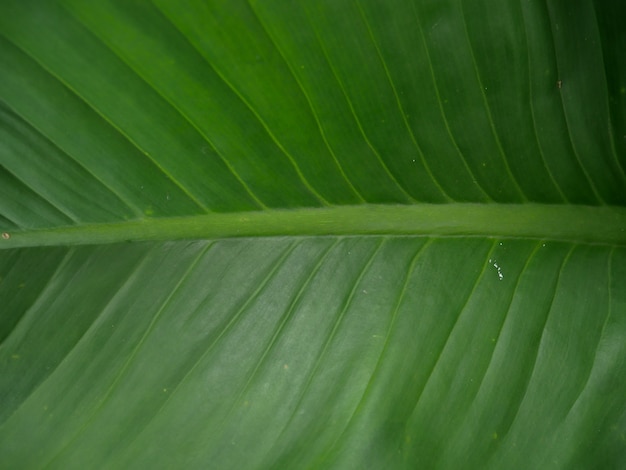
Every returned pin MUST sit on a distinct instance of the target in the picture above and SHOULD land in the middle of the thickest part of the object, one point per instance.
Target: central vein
(583, 224)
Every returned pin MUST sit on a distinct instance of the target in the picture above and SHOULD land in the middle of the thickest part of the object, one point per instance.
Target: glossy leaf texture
(474, 342)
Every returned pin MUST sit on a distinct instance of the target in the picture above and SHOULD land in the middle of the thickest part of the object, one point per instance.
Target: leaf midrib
(579, 224)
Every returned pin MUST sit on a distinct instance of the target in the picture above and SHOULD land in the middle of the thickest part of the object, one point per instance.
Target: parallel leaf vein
(271, 271)
(179, 111)
(400, 107)
(129, 205)
(583, 168)
(258, 117)
(492, 126)
(442, 112)
(108, 393)
(532, 112)
(331, 335)
(522, 396)
(356, 118)
(462, 309)
(311, 106)
(276, 336)
(114, 126)
(394, 317)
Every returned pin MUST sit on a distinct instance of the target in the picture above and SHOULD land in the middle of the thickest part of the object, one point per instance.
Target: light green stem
(581, 224)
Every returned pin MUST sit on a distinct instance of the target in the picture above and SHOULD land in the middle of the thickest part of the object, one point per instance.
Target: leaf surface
(326, 234)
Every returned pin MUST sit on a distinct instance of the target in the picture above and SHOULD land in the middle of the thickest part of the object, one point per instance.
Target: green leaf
(316, 234)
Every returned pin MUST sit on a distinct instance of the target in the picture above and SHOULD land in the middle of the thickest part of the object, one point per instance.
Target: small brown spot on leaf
(6, 235)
